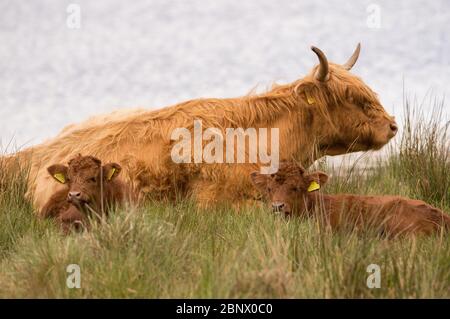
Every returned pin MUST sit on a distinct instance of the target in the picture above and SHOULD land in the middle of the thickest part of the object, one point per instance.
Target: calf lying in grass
(90, 189)
(292, 191)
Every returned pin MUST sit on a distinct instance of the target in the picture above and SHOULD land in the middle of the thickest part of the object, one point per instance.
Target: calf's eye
(93, 179)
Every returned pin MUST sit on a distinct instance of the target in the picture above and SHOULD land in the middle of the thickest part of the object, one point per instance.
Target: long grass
(179, 251)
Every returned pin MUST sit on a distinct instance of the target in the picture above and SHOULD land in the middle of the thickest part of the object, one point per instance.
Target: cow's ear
(111, 171)
(260, 181)
(58, 172)
(316, 180)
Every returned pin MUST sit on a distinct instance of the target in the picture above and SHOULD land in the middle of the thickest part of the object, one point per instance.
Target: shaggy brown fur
(390, 215)
(90, 188)
(72, 219)
(345, 116)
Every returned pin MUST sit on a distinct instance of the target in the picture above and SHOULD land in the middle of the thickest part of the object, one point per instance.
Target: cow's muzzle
(278, 207)
(76, 198)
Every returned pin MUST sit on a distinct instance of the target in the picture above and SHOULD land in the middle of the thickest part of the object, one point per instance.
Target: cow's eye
(93, 179)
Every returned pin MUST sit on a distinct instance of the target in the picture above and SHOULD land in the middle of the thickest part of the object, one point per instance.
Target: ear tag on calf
(309, 98)
(313, 186)
(111, 173)
(60, 178)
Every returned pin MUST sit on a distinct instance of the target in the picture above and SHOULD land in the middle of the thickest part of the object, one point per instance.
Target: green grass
(170, 251)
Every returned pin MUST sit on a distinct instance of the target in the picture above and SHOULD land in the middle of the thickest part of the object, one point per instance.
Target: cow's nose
(277, 207)
(74, 195)
(394, 127)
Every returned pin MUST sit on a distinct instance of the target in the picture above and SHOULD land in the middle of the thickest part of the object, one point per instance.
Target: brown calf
(91, 189)
(293, 191)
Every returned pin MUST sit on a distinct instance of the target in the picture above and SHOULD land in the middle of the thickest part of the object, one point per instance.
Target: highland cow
(294, 192)
(330, 111)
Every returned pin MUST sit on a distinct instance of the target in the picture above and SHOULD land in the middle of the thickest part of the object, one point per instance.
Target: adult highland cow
(328, 112)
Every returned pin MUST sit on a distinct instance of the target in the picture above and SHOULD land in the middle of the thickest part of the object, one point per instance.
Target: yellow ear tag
(313, 186)
(309, 98)
(60, 178)
(111, 173)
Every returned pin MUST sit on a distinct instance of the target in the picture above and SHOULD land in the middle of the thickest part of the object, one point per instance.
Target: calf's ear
(58, 172)
(111, 171)
(260, 181)
(316, 180)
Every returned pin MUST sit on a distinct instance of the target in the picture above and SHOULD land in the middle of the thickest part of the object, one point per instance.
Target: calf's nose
(277, 207)
(74, 195)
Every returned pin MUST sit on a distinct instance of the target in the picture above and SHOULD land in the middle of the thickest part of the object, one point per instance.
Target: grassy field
(166, 251)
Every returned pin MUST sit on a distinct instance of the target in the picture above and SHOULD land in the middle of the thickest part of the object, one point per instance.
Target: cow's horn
(351, 62)
(322, 71)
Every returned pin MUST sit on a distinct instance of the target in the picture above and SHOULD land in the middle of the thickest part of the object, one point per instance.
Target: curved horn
(351, 62)
(322, 73)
